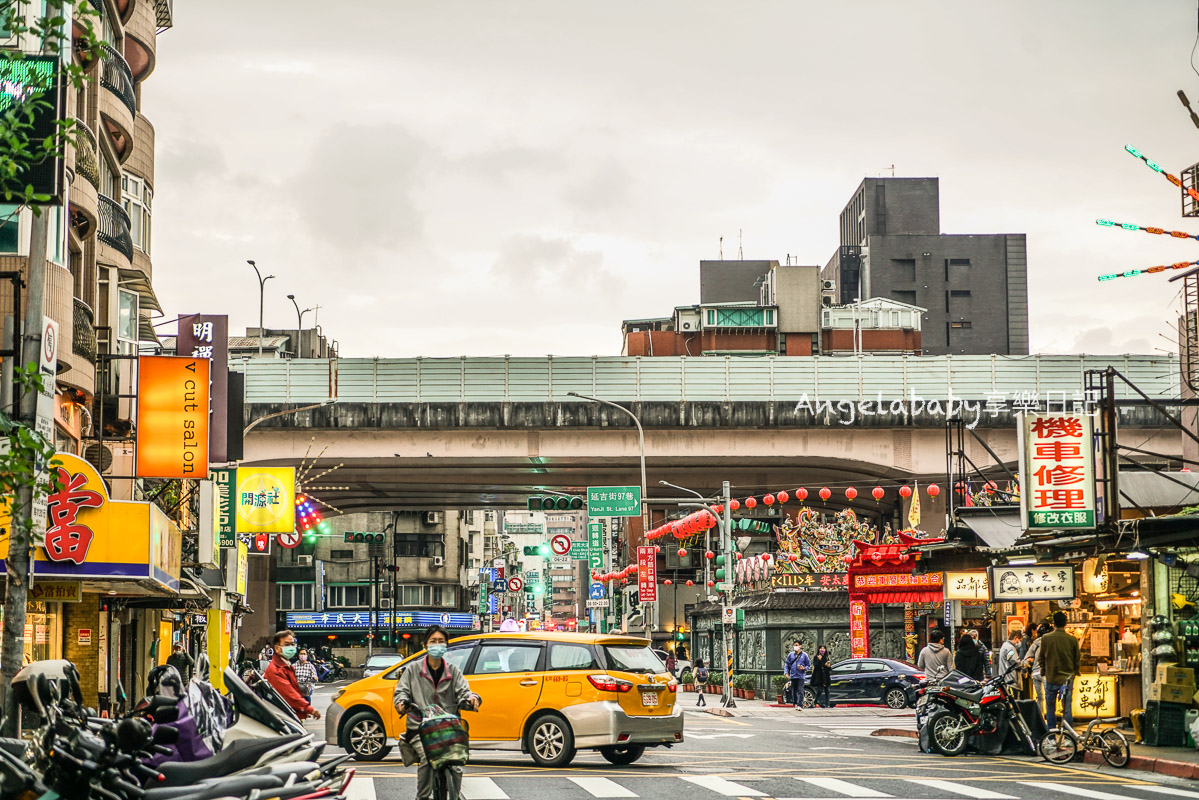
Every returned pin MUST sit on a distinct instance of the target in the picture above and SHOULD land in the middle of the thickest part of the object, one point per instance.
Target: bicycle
(442, 778)
(1060, 745)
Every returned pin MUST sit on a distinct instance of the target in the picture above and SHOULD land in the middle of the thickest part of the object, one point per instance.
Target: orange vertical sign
(172, 417)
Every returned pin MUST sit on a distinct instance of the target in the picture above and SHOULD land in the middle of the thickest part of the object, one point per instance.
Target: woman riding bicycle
(433, 680)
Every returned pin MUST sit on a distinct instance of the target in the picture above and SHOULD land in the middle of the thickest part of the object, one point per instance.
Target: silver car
(380, 663)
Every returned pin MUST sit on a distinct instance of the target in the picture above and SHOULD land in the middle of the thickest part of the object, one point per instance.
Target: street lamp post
(261, 291)
(641, 447)
(299, 321)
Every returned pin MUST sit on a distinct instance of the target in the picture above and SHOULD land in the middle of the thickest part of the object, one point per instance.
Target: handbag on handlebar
(444, 737)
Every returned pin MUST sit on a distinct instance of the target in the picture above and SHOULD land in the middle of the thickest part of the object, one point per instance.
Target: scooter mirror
(132, 734)
(166, 734)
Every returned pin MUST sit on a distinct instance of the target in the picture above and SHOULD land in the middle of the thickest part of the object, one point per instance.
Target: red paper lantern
(734, 504)
(851, 493)
(960, 487)
(825, 493)
(668, 581)
(878, 493)
(682, 552)
(768, 499)
(801, 494)
(711, 584)
(848, 559)
(905, 491)
(624, 582)
(709, 555)
(750, 502)
(657, 549)
(738, 556)
(933, 490)
(718, 509)
(784, 497)
(690, 583)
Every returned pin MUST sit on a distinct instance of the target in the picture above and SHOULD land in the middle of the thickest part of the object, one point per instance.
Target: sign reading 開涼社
(613, 501)
(966, 586)
(1018, 584)
(1057, 471)
(172, 417)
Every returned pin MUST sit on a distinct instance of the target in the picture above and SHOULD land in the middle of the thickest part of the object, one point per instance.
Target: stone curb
(1162, 766)
(902, 733)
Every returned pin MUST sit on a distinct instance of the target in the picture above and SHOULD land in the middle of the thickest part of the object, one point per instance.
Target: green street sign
(595, 545)
(580, 551)
(613, 501)
(483, 604)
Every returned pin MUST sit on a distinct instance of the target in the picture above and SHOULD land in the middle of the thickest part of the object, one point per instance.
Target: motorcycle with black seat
(957, 709)
(67, 751)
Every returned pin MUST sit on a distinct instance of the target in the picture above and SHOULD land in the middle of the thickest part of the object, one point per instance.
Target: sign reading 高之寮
(1018, 584)
(1057, 471)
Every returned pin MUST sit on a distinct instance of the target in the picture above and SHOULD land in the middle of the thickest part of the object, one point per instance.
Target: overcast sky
(508, 176)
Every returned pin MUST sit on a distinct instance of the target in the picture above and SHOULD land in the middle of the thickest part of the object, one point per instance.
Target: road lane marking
(360, 788)
(474, 788)
(721, 786)
(961, 788)
(1169, 790)
(1091, 794)
(601, 787)
(843, 787)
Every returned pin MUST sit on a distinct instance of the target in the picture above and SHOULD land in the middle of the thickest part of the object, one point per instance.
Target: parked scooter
(961, 711)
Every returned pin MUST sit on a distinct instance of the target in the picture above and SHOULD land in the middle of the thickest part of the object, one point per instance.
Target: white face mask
(796, 648)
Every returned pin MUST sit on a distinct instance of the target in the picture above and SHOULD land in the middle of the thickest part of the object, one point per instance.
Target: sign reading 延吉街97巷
(1020, 584)
(172, 417)
(264, 500)
(613, 501)
(1057, 466)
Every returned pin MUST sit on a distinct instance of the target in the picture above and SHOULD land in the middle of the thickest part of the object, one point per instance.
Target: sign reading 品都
(1018, 584)
(172, 417)
(613, 501)
(966, 586)
(264, 500)
(1057, 471)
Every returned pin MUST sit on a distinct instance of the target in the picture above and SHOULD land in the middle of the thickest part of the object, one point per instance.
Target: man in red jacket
(281, 675)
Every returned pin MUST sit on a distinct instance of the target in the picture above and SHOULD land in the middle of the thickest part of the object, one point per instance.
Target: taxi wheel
(623, 755)
(364, 737)
(550, 741)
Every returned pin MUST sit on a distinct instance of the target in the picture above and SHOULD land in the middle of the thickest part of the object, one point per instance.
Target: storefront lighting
(1021, 561)
(1137, 555)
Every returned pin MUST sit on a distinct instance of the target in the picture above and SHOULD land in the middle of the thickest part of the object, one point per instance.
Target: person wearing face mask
(305, 674)
(432, 680)
(796, 668)
(281, 675)
(821, 677)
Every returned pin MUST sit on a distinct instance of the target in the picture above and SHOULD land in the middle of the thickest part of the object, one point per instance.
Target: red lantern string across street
(801, 494)
(851, 493)
(783, 497)
(682, 552)
(690, 582)
(734, 504)
(668, 581)
(878, 493)
(768, 499)
(709, 555)
(711, 584)
(933, 490)
(751, 502)
(825, 493)
(905, 491)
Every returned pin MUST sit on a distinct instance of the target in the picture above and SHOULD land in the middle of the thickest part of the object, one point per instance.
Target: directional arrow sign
(596, 592)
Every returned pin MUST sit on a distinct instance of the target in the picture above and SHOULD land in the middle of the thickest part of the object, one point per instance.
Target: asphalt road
(808, 756)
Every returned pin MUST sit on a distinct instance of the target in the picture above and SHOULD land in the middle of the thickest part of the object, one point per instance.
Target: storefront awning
(998, 530)
(361, 620)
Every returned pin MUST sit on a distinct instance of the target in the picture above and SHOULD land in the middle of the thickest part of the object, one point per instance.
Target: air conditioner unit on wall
(829, 286)
(304, 561)
(385, 603)
(438, 561)
(686, 326)
(432, 517)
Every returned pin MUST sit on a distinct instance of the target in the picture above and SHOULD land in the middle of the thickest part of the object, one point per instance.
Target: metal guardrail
(696, 379)
(83, 343)
(114, 226)
(116, 77)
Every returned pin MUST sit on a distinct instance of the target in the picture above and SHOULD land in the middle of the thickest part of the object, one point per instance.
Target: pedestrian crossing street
(698, 787)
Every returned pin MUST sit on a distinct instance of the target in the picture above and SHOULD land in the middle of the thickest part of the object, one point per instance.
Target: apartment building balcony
(115, 243)
(118, 100)
(141, 39)
(84, 195)
(80, 360)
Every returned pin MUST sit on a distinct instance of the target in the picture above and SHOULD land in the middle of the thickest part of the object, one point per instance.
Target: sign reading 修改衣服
(1017, 584)
(1057, 471)
(613, 501)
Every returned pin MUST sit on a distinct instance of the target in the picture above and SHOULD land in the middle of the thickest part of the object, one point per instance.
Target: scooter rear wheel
(946, 734)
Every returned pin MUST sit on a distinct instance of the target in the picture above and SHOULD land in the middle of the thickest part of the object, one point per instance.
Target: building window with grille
(136, 199)
(295, 596)
(415, 545)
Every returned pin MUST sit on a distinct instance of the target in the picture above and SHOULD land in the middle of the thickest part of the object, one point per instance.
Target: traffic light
(554, 503)
(363, 538)
(543, 550)
(720, 570)
(531, 550)
(753, 525)
(538, 589)
(679, 636)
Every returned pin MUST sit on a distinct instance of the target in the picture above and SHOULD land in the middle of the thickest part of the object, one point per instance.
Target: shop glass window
(415, 595)
(501, 657)
(10, 228)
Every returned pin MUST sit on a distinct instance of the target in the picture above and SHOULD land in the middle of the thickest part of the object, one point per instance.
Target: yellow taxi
(545, 694)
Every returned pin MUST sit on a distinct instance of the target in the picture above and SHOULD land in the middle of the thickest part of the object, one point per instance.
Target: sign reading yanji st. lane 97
(613, 501)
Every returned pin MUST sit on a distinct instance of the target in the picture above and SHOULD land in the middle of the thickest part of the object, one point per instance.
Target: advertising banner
(224, 482)
(967, 586)
(207, 336)
(647, 574)
(1020, 584)
(172, 417)
(264, 500)
(1057, 465)
(859, 632)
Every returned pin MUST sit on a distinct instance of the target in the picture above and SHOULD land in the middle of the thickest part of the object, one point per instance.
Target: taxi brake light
(606, 683)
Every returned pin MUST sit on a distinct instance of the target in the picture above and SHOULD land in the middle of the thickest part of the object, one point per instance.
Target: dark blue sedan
(870, 681)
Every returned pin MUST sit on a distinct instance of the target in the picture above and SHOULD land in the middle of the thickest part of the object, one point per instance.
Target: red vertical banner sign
(647, 574)
(859, 629)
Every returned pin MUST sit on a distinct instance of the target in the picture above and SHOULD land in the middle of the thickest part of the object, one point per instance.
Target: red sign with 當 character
(66, 539)
(647, 574)
(1058, 480)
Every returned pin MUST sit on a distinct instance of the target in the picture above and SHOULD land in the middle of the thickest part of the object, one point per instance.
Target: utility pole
(19, 564)
(370, 639)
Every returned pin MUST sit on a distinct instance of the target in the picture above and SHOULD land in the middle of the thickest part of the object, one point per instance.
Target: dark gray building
(974, 286)
(732, 281)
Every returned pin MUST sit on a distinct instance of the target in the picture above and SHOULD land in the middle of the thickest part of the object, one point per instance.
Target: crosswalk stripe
(843, 787)
(360, 789)
(1169, 790)
(721, 786)
(1076, 790)
(963, 789)
(601, 787)
(482, 789)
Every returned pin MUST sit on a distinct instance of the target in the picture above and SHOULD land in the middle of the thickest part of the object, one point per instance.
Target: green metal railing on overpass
(697, 379)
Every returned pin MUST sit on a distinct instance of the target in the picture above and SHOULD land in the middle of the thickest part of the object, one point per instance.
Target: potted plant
(687, 680)
(715, 682)
(742, 685)
(779, 682)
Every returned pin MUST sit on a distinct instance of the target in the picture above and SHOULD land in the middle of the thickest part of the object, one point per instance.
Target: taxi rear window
(633, 658)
